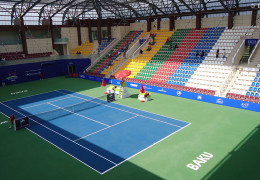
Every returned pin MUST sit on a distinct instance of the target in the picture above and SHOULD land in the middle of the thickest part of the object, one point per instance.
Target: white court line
(94, 152)
(33, 95)
(78, 114)
(43, 103)
(62, 135)
(145, 149)
(105, 128)
(128, 111)
(123, 105)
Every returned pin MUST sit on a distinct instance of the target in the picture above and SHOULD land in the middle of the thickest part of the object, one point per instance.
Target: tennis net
(68, 110)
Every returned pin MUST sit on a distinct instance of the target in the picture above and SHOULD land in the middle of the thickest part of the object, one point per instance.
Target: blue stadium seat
(247, 93)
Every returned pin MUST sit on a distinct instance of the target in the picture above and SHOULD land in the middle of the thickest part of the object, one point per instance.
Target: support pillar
(253, 18)
(172, 23)
(198, 21)
(109, 29)
(52, 33)
(78, 31)
(99, 30)
(89, 30)
(158, 23)
(230, 20)
(22, 32)
(149, 25)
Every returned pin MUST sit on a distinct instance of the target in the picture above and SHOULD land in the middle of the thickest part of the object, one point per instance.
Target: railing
(233, 59)
(135, 46)
(10, 42)
(96, 57)
(116, 67)
(137, 51)
(249, 59)
(57, 40)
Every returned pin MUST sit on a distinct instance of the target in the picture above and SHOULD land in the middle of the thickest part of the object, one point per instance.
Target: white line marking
(64, 151)
(105, 128)
(77, 114)
(3, 122)
(43, 103)
(145, 149)
(123, 105)
(92, 151)
(32, 95)
(62, 135)
(127, 111)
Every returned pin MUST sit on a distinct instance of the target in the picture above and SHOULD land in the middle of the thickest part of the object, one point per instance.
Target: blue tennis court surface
(99, 134)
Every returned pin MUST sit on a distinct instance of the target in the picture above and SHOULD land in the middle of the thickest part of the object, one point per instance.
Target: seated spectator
(224, 54)
(171, 46)
(3, 59)
(168, 39)
(176, 46)
(217, 54)
(197, 53)
(202, 53)
(141, 51)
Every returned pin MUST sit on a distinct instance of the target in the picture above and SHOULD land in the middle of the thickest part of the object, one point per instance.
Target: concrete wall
(84, 34)
(39, 45)
(72, 35)
(11, 48)
(243, 20)
(214, 22)
(119, 32)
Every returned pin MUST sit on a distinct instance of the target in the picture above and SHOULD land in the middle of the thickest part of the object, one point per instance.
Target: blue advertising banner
(251, 42)
(184, 94)
(31, 71)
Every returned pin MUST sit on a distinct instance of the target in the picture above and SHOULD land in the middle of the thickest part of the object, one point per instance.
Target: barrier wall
(184, 94)
(30, 72)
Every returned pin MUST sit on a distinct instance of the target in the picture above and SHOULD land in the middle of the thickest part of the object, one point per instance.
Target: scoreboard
(21, 123)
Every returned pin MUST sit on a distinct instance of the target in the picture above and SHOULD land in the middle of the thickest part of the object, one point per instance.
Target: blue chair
(257, 85)
(256, 94)
(253, 84)
(251, 89)
(247, 93)
(255, 89)
(258, 90)
(256, 79)
(252, 94)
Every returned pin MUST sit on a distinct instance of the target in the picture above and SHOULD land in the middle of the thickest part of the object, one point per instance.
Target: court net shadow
(242, 162)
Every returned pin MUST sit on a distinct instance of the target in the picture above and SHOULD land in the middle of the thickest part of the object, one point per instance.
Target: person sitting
(176, 46)
(79, 52)
(171, 46)
(149, 48)
(141, 51)
(168, 39)
(217, 54)
(197, 53)
(224, 54)
(202, 53)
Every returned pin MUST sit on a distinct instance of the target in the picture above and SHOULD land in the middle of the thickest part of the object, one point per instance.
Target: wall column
(158, 23)
(22, 32)
(171, 23)
(89, 30)
(253, 18)
(99, 30)
(198, 21)
(52, 33)
(109, 28)
(78, 31)
(230, 20)
(149, 25)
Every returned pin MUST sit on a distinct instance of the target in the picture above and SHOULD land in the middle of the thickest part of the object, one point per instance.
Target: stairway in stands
(143, 60)
(104, 62)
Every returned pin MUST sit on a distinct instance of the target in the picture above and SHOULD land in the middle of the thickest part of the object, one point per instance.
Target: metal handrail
(249, 59)
(233, 59)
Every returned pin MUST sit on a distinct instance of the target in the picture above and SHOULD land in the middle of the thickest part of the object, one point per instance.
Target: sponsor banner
(184, 94)
(251, 42)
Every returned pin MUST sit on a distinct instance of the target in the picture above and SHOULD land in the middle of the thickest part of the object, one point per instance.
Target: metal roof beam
(187, 6)
(223, 4)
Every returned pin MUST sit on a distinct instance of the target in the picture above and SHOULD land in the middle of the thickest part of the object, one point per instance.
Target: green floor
(231, 135)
